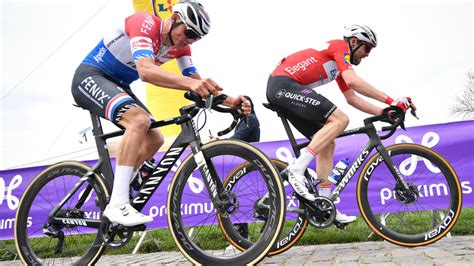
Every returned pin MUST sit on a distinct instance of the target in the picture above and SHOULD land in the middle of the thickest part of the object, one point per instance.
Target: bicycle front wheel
(66, 237)
(200, 231)
(419, 217)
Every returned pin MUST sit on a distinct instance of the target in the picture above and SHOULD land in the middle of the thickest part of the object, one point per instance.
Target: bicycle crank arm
(295, 210)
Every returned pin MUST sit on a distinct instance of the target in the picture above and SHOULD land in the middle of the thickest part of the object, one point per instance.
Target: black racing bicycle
(75, 195)
(403, 202)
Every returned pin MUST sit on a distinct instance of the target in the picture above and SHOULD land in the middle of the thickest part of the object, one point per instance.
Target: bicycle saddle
(271, 107)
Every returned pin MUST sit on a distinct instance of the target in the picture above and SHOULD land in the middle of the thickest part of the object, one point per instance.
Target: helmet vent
(191, 15)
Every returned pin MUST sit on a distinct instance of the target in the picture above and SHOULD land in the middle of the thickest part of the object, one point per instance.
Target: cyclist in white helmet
(135, 50)
(292, 88)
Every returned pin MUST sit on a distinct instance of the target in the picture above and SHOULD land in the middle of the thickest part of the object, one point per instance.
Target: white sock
(300, 165)
(120, 189)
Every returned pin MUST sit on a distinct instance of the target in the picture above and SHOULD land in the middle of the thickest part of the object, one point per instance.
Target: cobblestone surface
(448, 251)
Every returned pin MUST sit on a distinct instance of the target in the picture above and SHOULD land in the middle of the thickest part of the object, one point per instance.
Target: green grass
(355, 232)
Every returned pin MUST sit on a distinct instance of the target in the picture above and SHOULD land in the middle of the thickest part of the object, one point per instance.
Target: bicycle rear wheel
(202, 233)
(413, 219)
(43, 241)
(295, 223)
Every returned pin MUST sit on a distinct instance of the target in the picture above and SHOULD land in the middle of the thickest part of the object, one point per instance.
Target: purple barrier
(454, 141)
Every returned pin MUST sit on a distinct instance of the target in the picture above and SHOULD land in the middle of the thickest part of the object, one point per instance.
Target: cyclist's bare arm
(361, 86)
(358, 102)
(195, 76)
(151, 73)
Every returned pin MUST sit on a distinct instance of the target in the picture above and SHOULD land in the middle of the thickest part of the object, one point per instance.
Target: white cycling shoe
(298, 182)
(126, 215)
(345, 219)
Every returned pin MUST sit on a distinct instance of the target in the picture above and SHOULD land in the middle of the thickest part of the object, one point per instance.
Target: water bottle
(338, 171)
(145, 171)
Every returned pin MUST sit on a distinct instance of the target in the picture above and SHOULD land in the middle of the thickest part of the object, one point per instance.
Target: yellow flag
(162, 102)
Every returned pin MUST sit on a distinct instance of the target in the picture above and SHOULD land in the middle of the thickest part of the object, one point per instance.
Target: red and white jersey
(314, 68)
(138, 37)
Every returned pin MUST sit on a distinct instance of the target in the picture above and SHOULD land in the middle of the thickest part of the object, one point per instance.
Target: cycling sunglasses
(191, 34)
(368, 47)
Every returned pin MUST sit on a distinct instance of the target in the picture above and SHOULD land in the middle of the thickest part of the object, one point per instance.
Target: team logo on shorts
(280, 93)
(347, 58)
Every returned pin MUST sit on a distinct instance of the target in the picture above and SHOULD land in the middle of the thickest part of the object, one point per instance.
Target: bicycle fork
(222, 200)
(406, 192)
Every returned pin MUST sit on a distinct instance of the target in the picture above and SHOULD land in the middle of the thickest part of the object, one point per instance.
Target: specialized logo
(347, 58)
(351, 172)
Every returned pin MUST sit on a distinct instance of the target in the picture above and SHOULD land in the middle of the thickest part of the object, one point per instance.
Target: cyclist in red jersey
(135, 50)
(291, 89)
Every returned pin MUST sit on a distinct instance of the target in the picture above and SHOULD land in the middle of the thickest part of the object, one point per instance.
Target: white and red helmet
(194, 16)
(362, 33)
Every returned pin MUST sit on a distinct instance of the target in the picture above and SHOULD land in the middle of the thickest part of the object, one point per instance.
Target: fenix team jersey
(314, 68)
(139, 37)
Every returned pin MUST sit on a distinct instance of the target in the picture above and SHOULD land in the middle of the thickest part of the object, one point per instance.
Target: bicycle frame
(188, 136)
(375, 142)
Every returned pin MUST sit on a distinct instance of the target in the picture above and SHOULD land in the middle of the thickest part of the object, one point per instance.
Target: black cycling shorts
(95, 91)
(306, 109)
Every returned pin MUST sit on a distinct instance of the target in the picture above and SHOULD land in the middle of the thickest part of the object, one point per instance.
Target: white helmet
(194, 16)
(362, 33)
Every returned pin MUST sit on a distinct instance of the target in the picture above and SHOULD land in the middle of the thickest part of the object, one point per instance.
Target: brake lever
(209, 102)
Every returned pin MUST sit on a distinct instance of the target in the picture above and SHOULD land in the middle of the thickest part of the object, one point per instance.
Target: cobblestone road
(448, 251)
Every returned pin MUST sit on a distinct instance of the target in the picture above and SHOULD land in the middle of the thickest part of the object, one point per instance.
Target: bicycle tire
(42, 193)
(400, 221)
(203, 247)
(298, 224)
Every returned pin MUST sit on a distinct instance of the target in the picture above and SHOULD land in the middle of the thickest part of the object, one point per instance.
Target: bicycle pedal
(340, 225)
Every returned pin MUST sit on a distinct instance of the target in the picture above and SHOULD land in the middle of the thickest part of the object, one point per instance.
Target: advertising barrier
(454, 141)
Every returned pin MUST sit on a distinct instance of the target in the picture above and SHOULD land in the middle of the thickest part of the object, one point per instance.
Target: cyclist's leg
(324, 144)
(153, 140)
(334, 125)
(308, 111)
(151, 144)
(325, 160)
(94, 91)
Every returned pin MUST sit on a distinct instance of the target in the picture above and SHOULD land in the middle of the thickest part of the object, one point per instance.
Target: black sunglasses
(191, 34)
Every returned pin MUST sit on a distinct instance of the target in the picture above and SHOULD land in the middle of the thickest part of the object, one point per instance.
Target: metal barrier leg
(382, 221)
(9, 250)
(142, 238)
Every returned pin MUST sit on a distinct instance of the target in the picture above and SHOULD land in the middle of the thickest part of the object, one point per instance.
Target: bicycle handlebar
(393, 115)
(213, 102)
